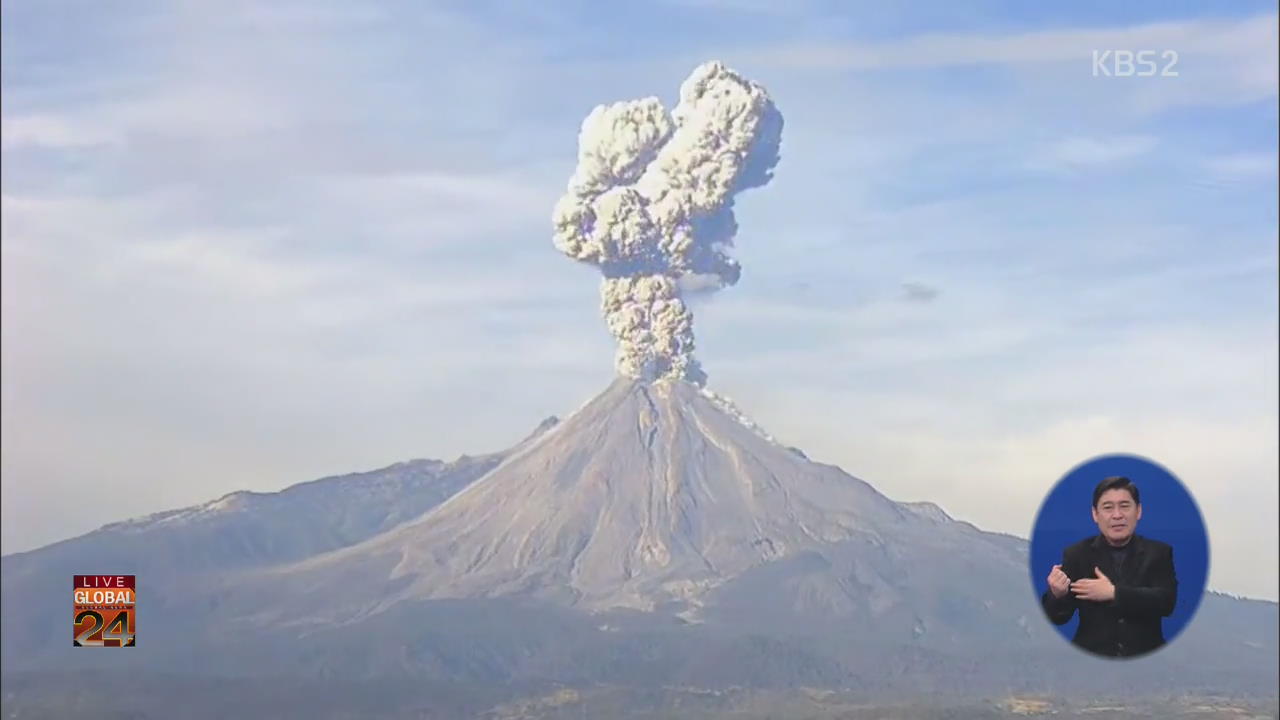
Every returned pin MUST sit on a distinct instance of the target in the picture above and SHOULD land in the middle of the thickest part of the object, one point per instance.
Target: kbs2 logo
(104, 608)
(1127, 63)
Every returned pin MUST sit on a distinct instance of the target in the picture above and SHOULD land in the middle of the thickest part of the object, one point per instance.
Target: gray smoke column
(651, 205)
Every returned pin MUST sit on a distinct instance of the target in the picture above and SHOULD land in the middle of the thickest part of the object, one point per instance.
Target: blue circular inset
(1169, 515)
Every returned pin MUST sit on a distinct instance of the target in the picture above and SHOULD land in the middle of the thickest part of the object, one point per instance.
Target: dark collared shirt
(1120, 554)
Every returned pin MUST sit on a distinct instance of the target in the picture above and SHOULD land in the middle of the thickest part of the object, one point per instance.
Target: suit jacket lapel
(1129, 572)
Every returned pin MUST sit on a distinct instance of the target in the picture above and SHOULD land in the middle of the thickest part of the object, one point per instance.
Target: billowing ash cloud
(651, 205)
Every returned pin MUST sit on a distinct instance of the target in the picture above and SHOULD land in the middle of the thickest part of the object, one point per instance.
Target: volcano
(661, 496)
(655, 541)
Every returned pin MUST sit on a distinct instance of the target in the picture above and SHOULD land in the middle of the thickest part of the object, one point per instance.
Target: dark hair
(1118, 482)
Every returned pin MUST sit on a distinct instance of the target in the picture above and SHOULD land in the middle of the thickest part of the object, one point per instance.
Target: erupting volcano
(654, 538)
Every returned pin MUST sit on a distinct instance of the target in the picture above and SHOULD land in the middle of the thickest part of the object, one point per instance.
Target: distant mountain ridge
(307, 518)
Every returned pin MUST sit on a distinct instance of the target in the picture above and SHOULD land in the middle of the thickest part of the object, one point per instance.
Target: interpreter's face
(1117, 515)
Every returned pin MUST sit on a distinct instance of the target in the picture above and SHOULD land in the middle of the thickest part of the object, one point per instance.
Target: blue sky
(246, 245)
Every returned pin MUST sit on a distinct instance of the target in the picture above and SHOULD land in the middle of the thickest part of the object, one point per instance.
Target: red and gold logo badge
(104, 608)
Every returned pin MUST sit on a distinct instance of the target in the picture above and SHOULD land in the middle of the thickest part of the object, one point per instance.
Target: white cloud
(1077, 153)
(1203, 38)
(1242, 167)
(52, 131)
(230, 263)
(754, 7)
(429, 208)
(1220, 62)
(286, 16)
(207, 110)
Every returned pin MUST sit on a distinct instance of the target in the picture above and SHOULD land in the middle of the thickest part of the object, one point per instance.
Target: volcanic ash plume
(651, 205)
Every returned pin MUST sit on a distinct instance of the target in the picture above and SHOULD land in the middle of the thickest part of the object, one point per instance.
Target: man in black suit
(1122, 583)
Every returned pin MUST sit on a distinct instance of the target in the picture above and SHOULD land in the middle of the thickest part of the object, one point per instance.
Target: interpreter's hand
(1059, 583)
(1097, 588)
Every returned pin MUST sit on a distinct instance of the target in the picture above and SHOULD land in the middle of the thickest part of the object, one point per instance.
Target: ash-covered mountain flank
(652, 495)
